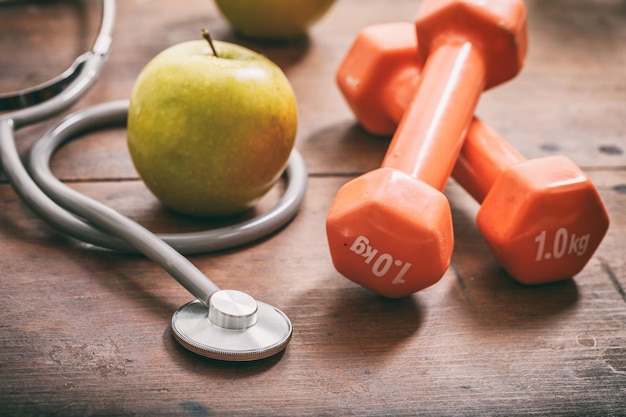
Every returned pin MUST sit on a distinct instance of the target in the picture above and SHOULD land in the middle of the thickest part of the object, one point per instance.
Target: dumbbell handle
(542, 219)
(484, 156)
(430, 135)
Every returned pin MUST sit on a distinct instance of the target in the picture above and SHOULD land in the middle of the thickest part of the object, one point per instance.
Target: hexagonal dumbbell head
(541, 228)
(391, 230)
(543, 219)
(498, 25)
(390, 233)
(380, 66)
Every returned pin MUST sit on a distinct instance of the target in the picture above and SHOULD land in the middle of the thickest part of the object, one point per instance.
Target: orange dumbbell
(543, 219)
(390, 230)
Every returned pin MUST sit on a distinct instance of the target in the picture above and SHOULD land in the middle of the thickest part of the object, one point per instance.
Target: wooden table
(86, 332)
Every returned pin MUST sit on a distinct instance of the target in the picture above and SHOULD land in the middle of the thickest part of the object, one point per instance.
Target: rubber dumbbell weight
(543, 219)
(390, 230)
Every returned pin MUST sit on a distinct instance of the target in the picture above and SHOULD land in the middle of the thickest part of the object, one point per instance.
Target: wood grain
(86, 332)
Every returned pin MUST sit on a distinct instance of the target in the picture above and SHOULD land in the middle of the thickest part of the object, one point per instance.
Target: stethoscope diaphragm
(234, 327)
(221, 324)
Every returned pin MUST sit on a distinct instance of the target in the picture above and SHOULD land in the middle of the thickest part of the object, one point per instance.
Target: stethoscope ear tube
(95, 223)
(35, 104)
(215, 325)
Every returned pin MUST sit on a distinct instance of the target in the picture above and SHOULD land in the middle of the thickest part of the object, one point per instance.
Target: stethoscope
(221, 324)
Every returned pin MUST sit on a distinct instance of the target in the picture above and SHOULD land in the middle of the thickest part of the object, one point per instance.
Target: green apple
(210, 135)
(273, 19)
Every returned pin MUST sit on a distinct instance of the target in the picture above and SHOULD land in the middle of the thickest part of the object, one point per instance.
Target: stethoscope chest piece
(234, 327)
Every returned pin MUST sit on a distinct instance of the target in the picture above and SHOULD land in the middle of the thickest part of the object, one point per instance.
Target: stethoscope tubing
(114, 114)
(92, 222)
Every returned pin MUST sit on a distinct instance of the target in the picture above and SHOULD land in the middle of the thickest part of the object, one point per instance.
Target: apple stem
(206, 35)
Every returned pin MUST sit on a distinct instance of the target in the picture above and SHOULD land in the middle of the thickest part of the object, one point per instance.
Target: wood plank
(86, 331)
(80, 327)
(568, 103)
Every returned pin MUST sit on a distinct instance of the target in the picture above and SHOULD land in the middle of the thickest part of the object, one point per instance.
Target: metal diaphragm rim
(193, 329)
